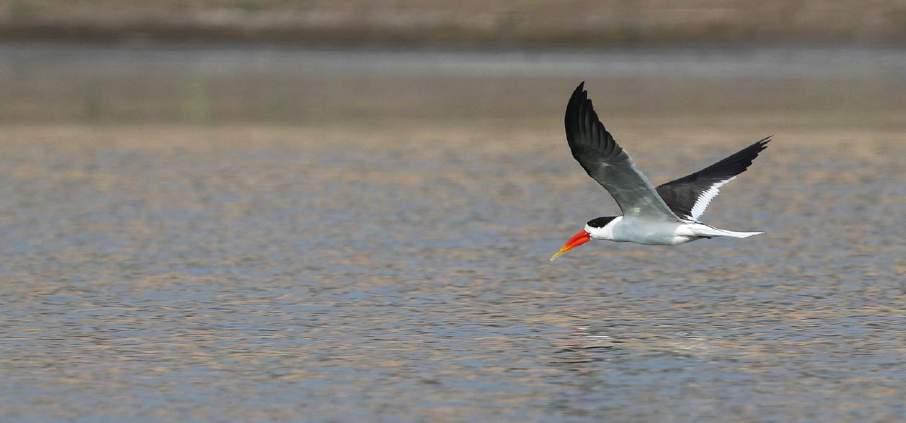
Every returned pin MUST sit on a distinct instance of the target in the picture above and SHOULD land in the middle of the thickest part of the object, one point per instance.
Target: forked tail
(705, 230)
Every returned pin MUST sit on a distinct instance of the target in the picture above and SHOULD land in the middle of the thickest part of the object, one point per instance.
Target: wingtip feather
(580, 90)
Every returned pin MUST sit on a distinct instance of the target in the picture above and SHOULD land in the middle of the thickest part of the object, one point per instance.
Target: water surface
(252, 241)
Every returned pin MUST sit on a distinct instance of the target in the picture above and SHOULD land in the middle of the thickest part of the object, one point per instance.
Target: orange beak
(578, 239)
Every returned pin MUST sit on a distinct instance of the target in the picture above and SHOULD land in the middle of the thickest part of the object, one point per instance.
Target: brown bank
(470, 23)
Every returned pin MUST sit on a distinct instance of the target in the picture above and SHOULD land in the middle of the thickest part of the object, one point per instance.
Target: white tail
(704, 230)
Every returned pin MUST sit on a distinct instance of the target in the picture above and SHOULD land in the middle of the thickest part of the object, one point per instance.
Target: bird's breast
(643, 231)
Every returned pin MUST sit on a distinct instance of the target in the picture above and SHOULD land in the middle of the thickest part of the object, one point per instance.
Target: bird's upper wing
(595, 149)
(690, 195)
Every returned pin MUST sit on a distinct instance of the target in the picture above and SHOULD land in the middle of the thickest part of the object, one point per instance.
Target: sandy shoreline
(469, 24)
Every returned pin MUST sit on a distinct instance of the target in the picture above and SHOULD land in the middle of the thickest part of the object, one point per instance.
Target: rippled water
(385, 257)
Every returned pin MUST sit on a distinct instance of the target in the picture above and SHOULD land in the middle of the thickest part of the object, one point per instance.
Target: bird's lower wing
(690, 195)
(606, 162)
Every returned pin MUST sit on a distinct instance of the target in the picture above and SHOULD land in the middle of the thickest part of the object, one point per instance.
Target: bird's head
(595, 228)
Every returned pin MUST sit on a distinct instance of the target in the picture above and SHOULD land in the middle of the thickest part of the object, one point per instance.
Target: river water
(227, 234)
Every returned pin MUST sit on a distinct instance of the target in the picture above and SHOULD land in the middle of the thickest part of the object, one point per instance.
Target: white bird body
(655, 232)
(664, 215)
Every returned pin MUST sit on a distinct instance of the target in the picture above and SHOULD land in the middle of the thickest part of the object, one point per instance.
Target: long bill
(578, 239)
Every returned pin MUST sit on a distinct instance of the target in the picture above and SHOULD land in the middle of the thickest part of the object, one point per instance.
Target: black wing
(595, 149)
(689, 196)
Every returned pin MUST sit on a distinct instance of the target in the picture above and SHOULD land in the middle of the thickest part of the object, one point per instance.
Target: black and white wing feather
(690, 195)
(600, 155)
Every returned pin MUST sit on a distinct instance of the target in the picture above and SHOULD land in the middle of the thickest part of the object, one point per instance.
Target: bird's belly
(652, 233)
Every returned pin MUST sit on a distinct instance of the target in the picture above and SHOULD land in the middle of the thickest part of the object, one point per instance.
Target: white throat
(606, 232)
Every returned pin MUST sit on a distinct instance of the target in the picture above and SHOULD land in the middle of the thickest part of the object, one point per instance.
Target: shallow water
(385, 256)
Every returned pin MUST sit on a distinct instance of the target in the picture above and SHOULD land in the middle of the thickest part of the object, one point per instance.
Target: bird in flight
(666, 215)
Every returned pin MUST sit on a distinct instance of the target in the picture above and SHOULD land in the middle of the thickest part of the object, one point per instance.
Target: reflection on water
(386, 258)
(215, 86)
